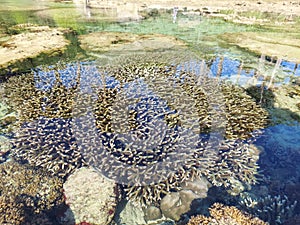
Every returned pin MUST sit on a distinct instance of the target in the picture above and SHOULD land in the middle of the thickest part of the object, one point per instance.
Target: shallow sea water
(277, 192)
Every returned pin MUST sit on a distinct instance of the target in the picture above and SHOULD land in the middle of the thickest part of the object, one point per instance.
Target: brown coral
(224, 215)
(149, 122)
(26, 192)
(42, 93)
(11, 212)
(48, 143)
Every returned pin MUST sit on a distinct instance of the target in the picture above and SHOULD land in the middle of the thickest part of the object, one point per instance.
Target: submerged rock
(175, 204)
(132, 214)
(27, 45)
(91, 196)
(152, 213)
(281, 46)
(126, 42)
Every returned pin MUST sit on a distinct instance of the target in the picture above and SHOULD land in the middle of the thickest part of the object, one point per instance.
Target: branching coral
(48, 143)
(149, 122)
(151, 117)
(44, 92)
(26, 193)
(44, 101)
(11, 212)
(244, 115)
(237, 162)
(274, 210)
(224, 215)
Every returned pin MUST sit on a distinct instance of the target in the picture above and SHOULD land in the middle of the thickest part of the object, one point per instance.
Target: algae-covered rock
(152, 213)
(23, 46)
(91, 196)
(286, 100)
(128, 42)
(132, 214)
(281, 46)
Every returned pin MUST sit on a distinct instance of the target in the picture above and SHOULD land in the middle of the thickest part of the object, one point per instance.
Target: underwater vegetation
(149, 122)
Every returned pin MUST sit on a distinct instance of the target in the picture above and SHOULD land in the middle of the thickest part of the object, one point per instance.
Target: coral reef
(147, 121)
(45, 92)
(90, 196)
(4, 148)
(143, 98)
(224, 215)
(7, 117)
(244, 115)
(274, 210)
(48, 143)
(44, 101)
(27, 193)
(11, 212)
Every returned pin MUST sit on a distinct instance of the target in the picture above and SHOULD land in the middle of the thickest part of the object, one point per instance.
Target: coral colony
(146, 122)
(221, 214)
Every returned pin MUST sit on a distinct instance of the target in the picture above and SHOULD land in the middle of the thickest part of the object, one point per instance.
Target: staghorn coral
(27, 193)
(11, 212)
(152, 119)
(224, 215)
(45, 92)
(44, 101)
(237, 163)
(244, 115)
(275, 210)
(147, 121)
(48, 143)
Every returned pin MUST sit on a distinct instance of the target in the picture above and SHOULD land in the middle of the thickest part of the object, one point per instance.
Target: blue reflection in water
(89, 77)
(291, 67)
(281, 144)
(228, 69)
(89, 74)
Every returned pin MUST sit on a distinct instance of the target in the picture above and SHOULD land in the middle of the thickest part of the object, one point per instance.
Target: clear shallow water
(280, 155)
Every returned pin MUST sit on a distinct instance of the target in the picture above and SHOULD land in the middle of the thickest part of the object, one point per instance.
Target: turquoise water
(71, 104)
